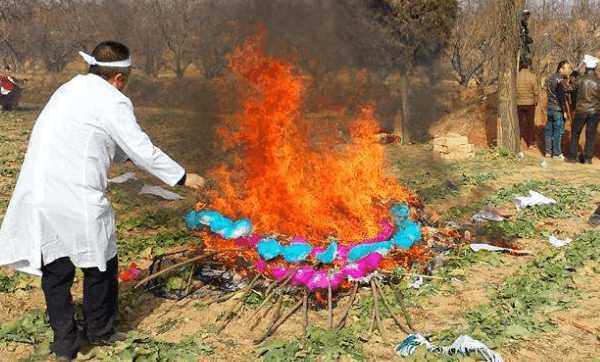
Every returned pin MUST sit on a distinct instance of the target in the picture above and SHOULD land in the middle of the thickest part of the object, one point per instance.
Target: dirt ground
(577, 337)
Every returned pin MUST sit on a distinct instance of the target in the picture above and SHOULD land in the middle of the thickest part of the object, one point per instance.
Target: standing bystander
(527, 95)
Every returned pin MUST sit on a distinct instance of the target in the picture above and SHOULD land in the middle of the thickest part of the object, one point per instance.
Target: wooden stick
(274, 327)
(400, 300)
(268, 310)
(329, 307)
(175, 252)
(340, 324)
(273, 288)
(249, 288)
(305, 310)
(277, 312)
(219, 298)
(389, 309)
(234, 308)
(377, 313)
(372, 324)
(266, 313)
(189, 282)
(173, 267)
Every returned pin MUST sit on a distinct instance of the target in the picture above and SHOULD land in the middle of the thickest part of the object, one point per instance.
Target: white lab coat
(59, 207)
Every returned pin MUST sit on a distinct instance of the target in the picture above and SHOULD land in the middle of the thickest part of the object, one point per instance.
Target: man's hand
(194, 181)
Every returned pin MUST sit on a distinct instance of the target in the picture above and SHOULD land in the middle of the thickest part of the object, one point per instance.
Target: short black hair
(561, 64)
(110, 51)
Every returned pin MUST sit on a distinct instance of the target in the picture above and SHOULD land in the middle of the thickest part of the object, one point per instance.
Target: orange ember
(279, 181)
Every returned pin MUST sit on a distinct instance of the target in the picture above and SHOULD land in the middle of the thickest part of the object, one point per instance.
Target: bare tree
(148, 45)
(406, 33)
(16, 39)
(176, 23)
(58, 30)
(471, 45)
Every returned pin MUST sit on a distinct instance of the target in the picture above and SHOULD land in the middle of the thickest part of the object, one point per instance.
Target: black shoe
(588, 161)
(109, 340)
(594, 219)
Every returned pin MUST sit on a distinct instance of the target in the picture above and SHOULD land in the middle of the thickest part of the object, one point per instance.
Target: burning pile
(320, 216)
(294, 217)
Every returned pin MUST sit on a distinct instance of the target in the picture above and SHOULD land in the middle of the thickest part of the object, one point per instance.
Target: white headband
(590, 61)
(118, 64)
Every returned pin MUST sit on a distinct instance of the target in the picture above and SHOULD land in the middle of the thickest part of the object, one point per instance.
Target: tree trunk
(179, 71)
(508, 49)
(404, 94)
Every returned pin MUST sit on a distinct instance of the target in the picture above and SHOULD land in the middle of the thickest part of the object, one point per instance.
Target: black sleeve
(182, 181)
(561, 94)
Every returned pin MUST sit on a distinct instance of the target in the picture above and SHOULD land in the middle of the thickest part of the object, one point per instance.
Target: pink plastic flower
(260, 265)
(342, 252)
(319, 280)
(337, 279)
(279, 272)
(386, 232)
(354, 270)
(249, 241)
(303, 275)
(371, 261)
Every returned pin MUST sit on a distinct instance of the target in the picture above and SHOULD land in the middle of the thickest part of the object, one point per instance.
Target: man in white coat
(59, 217)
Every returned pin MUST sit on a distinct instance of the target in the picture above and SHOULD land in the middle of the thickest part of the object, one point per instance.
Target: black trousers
(100, 299)
(590, 121)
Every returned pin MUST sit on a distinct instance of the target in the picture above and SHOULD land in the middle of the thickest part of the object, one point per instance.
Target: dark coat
(588, 93)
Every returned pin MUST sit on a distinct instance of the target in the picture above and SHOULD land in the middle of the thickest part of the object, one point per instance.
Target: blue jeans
(555, 127)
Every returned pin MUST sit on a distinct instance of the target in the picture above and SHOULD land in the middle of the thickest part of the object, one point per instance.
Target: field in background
(543, 307)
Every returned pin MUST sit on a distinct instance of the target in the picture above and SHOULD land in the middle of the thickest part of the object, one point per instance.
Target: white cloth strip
(117, 64)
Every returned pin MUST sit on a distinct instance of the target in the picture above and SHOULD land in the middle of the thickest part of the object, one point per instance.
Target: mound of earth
(476, 120)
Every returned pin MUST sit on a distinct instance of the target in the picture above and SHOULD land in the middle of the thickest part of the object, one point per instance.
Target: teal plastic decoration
(328, 256)
(296, 252)
(268, 248)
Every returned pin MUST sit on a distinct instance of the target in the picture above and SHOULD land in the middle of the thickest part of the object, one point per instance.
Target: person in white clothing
(59, 217)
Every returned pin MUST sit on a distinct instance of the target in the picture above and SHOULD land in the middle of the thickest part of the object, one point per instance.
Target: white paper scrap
(123, 178)
(463, 345)
(534, 199)
(487, 247)
(558, 242)
(417, 282)
(478, 247)
(160, 192)
(487, 215)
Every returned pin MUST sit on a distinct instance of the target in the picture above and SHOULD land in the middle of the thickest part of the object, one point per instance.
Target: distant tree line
(388, 35)
(561, 30)
(389, 38)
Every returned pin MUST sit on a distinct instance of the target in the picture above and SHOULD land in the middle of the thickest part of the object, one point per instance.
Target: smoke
(343, 49)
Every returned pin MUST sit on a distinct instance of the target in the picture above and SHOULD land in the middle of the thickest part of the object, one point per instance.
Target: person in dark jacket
(587, 111)
(556, 88)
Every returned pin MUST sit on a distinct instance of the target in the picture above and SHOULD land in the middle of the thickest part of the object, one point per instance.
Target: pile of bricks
(453, 147)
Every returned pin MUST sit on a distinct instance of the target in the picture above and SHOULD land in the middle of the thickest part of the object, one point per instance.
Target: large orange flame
(281, 182)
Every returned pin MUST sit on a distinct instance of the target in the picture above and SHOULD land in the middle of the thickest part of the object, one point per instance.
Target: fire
(284, 184)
